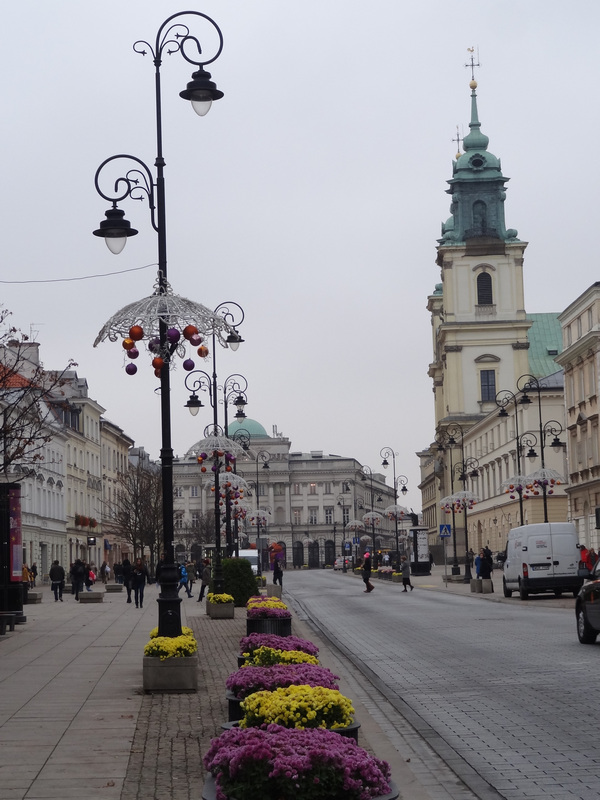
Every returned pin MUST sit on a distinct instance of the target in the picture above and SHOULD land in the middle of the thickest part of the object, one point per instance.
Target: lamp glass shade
(202, 105)
(116, 243)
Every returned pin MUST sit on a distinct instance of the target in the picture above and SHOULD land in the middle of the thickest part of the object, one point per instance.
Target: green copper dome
(477, 189)
(249, 426)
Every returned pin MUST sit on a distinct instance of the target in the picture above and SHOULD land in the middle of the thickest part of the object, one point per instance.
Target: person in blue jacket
(183, 580)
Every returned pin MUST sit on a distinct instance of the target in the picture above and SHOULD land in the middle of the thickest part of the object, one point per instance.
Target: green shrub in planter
(239, 580)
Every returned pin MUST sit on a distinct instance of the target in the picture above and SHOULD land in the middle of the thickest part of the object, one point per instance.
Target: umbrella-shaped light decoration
(396, 512)
(373, 518)
(258, 516)
(307, 542)
(517, 485)
(354, 525)
(366, 539)
(548, 478)
(459, 501)
(187, 323)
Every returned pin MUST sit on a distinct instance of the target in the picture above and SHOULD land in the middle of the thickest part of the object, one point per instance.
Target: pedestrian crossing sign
(445, 531)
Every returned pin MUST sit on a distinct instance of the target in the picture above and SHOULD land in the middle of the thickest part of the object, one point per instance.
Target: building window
(312, 516)
(345, 486)
(345, 515)
(178, 522)
(297, 516)
(296, 488)
(178, 491)
(193, 491)
(328, 515)
(327, 487)
(279, 489)
(312, 488)
(488, 385)
(484, 289)
(195, 519)
(590, 316)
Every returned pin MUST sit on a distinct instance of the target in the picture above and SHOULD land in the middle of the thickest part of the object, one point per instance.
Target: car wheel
(558, 593)
(575, 592)
(586, 634)
(523, 594)
(507, 592)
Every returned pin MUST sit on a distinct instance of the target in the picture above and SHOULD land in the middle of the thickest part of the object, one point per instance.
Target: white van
(252, 557)
(543, 557)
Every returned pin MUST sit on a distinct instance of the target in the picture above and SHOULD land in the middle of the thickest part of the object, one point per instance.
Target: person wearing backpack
(183, 580)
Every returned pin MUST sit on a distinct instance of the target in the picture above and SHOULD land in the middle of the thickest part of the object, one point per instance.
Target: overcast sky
(312, 193)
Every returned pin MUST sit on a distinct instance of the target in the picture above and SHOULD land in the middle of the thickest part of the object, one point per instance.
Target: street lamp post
(467, 468)
(503, 398)
(388, 452)
(368, 473)
(139, 183)
(341, 502)
(265, 457)
(446, 440)
(525, 384)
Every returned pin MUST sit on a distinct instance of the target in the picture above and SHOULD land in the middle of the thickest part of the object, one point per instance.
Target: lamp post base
(169, 602)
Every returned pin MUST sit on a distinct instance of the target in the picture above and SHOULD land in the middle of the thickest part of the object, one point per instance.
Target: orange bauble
(202, 469)
(203, 351)
(128, 344)
(188, 331)
(136, 332)
(158, 372)
(158, 363)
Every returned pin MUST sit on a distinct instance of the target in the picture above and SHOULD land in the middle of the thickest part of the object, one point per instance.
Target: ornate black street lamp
(525, 385)
(372, 517)
(401, 480)
(467, 468)
(159, 319)
(446, 439)
(503, 398)
(265, 457)
(341, 501)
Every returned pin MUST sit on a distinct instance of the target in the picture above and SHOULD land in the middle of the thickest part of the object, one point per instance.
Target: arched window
(484, 289)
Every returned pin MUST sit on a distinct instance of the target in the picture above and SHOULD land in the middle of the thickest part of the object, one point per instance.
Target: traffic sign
(445, 531)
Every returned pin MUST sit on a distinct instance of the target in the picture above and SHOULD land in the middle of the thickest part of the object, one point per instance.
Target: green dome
(251, 426)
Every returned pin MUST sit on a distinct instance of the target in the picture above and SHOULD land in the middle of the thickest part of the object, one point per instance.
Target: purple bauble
(173, 335)
(133, 353)
(196, 340)
(154, 345)
(131, 369)
(188, 364)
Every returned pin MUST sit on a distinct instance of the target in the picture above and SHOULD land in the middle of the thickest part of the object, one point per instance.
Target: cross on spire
(472, 63)
(458, 140)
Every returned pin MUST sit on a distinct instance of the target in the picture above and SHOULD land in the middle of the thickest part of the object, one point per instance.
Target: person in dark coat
(126, 566)
(139, 576)
(57, 579)
(78, 573)
(366, 573)
(484, 568)
(277, 573)
(204, 578)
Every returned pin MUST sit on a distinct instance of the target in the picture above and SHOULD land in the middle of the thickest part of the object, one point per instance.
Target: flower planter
(235, 712)
(220, 610)
(396, 578)
(209, 791)
(349, 731)
(170, 675)
(280, 626)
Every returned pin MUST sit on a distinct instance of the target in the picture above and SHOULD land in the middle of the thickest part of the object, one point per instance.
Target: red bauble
(158, 363)
(189, 331)
(136, 332)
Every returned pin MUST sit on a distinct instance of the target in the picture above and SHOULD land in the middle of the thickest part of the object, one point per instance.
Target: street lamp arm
(177, 36)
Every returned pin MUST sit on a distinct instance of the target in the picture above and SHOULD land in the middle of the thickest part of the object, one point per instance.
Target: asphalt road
(501, 690)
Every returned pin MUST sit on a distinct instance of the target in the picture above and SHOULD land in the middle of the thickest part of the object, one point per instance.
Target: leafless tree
(32, 408)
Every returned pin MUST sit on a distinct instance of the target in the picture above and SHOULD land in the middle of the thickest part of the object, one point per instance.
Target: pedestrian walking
(191, 572)
(183, 580)
(483, 566)
(405, 570)
(139, 576)
(366, 573)
(103, 572)
(57, 580)
(25, 575)
(34, 574)
(77, 577)
(118, 571)
(204, 578)
(277, 573)
(126, 567)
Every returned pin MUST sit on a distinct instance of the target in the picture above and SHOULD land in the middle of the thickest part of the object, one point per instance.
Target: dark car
(587, 608)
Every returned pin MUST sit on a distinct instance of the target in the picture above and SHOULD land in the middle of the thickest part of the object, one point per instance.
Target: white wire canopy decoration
(459, 501)
(354, 525)
(395, 512)
(373, 518)
(187, 322)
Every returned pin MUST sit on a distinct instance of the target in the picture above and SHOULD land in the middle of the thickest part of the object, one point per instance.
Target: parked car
(587, 608)
(339, 563)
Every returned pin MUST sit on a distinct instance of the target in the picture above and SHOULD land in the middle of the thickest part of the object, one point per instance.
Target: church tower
(478, 311)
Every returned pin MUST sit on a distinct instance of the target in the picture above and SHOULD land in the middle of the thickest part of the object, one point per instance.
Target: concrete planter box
(396, 578)
(209, 791)
(476, 585)
(170, 675)
(91, 597)
(350, 731)
(220, 610)
(113, 587)
(277, 625)
(274, 590)
(34, 597)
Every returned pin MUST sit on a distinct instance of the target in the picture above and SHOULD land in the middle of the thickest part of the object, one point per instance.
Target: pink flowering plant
(275, 762)
(264, 611)
(248, 680)
(255, 640)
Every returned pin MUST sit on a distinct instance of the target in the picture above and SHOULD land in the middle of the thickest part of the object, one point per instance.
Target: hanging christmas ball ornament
(131, 369)
(158, 363)
(128, 344)
(188, 365)
(133, 353)
(203, 351)
(195, 340)
(202, 469)
(157, 373)
(189, 331)
(154, 345)
(203, 455)
(136, 332)
(228, 468)
(200, 459)
(173, 335)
